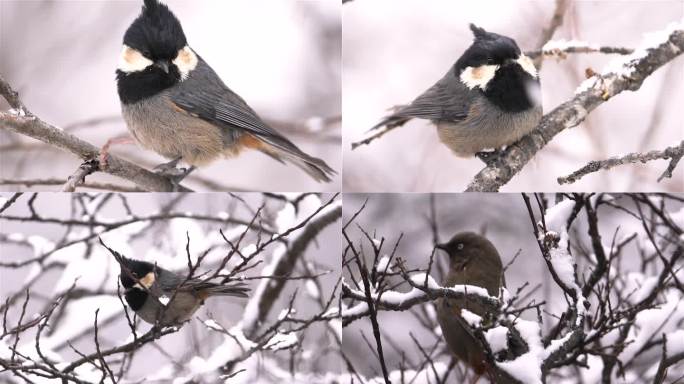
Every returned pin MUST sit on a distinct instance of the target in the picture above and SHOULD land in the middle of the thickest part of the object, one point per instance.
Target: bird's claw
(102, 159)
(489, 157)
(173, 173)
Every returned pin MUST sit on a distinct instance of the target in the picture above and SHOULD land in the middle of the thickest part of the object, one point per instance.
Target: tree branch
(23, 122)
(673, 153)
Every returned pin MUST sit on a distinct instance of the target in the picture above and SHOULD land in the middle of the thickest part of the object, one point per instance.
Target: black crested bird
(176, 105)
(489, 98)
(164, 297)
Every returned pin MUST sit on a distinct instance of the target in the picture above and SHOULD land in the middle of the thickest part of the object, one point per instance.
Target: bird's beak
(441, 246)
(163, 65)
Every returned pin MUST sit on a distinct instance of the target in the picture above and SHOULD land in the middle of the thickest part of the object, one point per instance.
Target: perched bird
(176, 105)
(149, 290)
(473, 260)
(489, 98)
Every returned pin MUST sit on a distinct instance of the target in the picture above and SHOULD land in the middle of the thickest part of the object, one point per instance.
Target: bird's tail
(284, 150)
(237, 290)
(391, 121)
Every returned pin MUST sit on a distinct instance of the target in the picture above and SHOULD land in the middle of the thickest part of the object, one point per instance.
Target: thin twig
(673, 153)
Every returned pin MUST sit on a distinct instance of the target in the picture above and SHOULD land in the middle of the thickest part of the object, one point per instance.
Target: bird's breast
(486, 126)
(161, 126)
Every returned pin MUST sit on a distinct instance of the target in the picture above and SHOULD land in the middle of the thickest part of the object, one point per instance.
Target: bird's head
(495, 65)
(134, 271)
(466, 247)
(155, 47)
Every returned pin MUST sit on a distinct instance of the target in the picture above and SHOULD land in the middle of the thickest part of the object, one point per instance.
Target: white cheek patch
(131, 60)
(527, 65)
(148, 280)
(186, 61)
(478, 76)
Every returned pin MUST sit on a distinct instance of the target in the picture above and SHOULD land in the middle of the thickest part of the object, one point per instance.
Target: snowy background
(195, 349)
(394, 50)
(505, 221)
(282, 57)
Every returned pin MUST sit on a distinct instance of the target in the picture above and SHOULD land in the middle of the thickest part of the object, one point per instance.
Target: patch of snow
(212, 324)
(251, 312)
(383, 265)
(675, 342)
(282, 341)
(312, 289)
(563, 45)
(472, 319)
(556, 217)
(563, 263)
(285, 218)
(497, 338)
(526, 368)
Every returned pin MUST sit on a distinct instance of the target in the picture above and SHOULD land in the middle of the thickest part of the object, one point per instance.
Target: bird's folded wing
(206, 96)
(446, 100)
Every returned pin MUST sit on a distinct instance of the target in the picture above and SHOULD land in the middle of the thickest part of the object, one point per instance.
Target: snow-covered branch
(67, 318)
(609, 321)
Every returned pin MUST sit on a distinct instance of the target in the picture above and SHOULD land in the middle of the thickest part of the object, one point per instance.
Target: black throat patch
(135, 298)
(511, 89)
(136, 86)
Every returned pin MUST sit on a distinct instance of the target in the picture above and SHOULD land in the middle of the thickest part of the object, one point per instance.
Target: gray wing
(170, 281)
(204, 94)
(167, 280)
(447, 100)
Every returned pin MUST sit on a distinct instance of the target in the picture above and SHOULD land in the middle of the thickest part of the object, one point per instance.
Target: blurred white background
(393, 50)
(282, 57)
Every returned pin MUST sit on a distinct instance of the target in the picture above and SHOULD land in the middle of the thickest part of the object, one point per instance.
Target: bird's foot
(489, 157)
(172, 172)
(104, 151)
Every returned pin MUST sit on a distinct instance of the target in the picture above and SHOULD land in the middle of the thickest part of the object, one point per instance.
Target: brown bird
(473, 260)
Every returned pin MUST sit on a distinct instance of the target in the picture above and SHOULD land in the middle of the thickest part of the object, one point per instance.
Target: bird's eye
(490, 61)
(459, 246)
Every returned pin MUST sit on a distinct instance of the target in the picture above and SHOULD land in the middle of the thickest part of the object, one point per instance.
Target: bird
(473, 260)
(159, 296)
(175, 104)
(489, 98)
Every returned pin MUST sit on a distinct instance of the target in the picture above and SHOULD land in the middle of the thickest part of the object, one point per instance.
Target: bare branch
(673, 153)
(25, 123)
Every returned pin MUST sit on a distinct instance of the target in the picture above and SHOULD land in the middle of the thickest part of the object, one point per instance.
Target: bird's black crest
(156, 33)
(477, 31)
(487, 48)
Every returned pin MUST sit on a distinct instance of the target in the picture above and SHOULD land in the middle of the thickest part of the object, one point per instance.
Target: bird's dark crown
(156, 33)
(488, 48)
(465, 243)
(138, 268)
